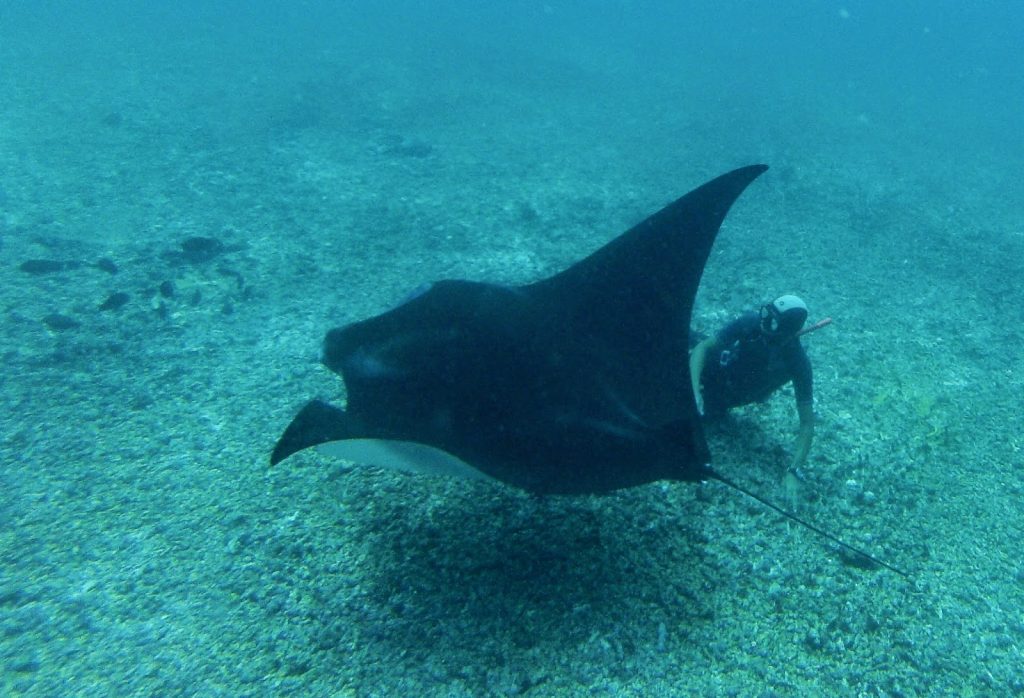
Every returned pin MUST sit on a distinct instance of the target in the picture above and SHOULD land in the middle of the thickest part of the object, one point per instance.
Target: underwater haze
(192, 194)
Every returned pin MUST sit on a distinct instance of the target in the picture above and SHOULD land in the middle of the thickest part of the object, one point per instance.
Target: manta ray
(574, 384)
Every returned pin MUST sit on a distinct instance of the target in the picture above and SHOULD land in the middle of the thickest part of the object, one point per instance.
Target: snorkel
(816, 326)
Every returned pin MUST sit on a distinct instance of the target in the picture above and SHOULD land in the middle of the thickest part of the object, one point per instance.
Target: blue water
(251, 174)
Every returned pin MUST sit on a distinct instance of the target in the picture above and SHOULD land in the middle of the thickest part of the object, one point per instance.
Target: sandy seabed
(148, 549)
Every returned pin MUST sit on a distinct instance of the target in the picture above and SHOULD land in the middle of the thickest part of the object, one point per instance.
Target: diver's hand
(791, 487)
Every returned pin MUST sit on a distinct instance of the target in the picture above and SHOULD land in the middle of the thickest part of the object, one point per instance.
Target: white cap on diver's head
(784, 316)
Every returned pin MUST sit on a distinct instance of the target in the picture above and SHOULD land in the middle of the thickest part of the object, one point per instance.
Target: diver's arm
(697, 359)
(806, 435)
(791, 478)
(803, 388)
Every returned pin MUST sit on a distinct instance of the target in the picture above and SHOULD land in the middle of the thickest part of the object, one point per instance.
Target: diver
(752, 357)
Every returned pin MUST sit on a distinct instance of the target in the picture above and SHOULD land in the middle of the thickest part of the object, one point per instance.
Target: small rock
(112, 119)
(48, 266)
(855, 560)
(58, 322)
(28, 665)
(197, 250)
(115, 301)
(402, 146)
(813, 640)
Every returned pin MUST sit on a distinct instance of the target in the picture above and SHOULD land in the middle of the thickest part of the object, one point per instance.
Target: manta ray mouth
(368, 365)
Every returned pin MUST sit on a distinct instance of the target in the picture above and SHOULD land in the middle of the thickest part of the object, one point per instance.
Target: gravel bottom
(148, 549)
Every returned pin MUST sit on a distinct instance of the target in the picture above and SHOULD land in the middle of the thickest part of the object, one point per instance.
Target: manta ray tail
(806, 524)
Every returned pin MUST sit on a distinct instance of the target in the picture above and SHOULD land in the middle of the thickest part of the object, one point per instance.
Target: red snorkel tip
(816, 326)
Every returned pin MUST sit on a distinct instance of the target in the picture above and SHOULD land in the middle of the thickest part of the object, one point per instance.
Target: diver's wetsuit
(749, 367)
